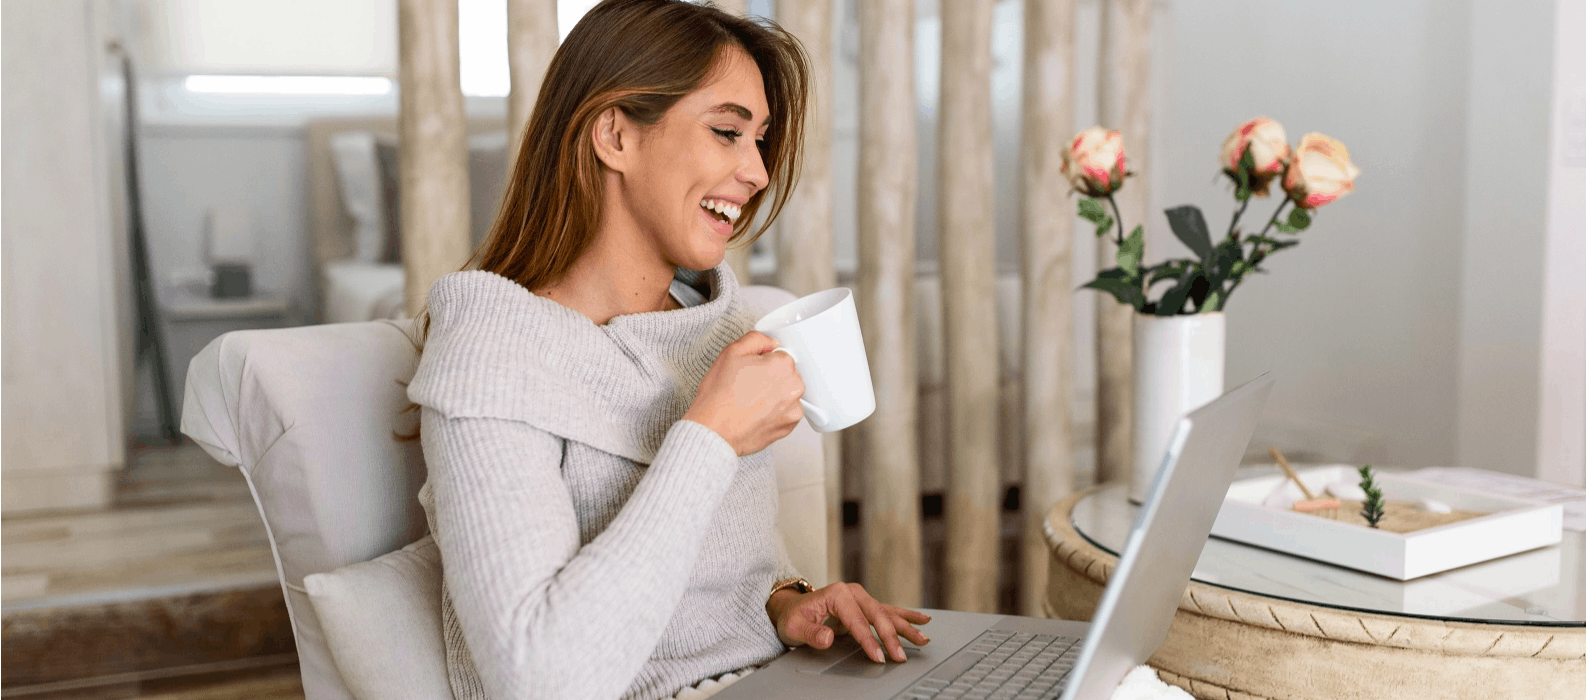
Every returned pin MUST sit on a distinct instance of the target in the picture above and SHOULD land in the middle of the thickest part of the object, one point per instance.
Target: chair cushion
(364, 607)
(308, 415)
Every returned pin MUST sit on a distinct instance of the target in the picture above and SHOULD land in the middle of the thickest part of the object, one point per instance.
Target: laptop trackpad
(859, 665)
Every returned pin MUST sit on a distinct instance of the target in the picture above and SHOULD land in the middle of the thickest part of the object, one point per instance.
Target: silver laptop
(1018, 658)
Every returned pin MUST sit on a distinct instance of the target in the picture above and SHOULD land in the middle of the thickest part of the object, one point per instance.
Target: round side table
(1260, 624)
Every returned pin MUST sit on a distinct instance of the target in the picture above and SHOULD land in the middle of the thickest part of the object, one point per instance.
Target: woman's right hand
(750, 396)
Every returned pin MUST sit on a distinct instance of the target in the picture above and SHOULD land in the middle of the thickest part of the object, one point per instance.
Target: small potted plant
(1178, 323)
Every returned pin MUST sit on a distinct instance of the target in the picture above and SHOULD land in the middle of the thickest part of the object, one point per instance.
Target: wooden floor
(181, 551)
(181, 522)
(280, 682)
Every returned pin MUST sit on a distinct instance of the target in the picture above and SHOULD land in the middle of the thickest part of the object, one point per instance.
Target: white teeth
(731, 211)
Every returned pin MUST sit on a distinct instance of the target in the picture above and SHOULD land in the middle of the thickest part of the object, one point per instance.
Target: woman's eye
(730, 134)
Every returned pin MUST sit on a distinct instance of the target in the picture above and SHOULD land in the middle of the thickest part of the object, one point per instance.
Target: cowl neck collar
(496, 350)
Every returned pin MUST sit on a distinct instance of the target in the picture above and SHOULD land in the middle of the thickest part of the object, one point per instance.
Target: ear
(614, 139)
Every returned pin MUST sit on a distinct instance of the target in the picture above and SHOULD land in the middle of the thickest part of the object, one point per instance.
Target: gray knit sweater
(594, 545)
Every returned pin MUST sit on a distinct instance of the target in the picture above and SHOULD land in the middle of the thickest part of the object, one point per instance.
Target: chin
(702, 259)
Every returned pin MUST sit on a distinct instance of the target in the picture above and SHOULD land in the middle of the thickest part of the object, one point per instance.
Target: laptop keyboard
(1000, 665)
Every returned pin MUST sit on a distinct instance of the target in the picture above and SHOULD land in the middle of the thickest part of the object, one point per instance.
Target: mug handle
(809, 409)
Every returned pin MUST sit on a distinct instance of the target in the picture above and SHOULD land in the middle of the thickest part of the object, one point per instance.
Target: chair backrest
(309, 415)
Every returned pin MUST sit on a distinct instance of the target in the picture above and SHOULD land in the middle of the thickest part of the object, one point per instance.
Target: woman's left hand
(801, 618)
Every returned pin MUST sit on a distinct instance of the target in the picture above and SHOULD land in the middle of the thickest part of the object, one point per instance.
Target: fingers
(902, 617)
(910, 632)
(882, 621)
(804, 627)
(756, 343)
(853, 617)
(913, 616)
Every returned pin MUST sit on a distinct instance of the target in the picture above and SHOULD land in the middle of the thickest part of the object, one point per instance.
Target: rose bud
(1094, 162)
(1320, 171)
(1269, 152)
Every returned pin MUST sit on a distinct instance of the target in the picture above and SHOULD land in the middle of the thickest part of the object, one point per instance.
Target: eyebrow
(737, 109)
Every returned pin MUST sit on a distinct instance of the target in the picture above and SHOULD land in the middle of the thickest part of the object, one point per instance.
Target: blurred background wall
(67, 334)
(1409, 328)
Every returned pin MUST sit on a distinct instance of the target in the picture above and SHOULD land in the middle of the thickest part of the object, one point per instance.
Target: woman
(598, 483)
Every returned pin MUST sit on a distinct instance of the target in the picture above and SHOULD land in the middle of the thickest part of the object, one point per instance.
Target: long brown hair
(640, 56)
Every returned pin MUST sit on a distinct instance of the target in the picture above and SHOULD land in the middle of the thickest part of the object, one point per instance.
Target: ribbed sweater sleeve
(542, 616)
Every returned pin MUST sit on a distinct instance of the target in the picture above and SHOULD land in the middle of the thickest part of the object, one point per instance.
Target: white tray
(1512, 525)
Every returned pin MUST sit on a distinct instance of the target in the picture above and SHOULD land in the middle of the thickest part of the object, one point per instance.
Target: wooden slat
(1046, 243)
(885, 296)
(1123, 103)
(434, 148)
(531, 42)
(804, 258)
(966, 258)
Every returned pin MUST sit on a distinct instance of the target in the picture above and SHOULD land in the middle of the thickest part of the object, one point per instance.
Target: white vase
(1178, 367)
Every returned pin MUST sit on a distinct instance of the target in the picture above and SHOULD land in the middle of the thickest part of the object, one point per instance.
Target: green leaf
(1247, 164)
(1299, 219)
(1285, 228)
(1170, 270)
(1214, 302)
(1104, 226)
(1172, 302)
(1190, 227)
(1113, 273)
(1132, 250)
(1228, 252)
(1242, 194)
(1092, 210)
(1120, 289)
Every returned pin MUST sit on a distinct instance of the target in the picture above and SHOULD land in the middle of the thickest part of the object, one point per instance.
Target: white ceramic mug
(821, 333)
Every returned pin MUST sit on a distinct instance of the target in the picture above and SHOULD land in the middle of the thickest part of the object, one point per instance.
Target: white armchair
(308, 414)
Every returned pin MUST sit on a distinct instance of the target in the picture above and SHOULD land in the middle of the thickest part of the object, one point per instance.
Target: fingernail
(876, 656)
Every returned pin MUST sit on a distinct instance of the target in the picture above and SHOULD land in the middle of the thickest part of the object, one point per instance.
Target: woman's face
(694, 170)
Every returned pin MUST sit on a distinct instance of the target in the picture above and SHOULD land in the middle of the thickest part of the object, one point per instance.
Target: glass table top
(1544, 586)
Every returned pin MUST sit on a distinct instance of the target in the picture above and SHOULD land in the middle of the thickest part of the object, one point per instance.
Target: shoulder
(487, 331)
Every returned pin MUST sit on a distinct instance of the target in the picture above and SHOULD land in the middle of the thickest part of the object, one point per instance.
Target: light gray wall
(1561, 439)
(1364, 321)
(189, 168)
(1508, 103)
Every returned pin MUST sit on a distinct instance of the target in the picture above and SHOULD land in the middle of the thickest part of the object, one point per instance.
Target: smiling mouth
(723, 211)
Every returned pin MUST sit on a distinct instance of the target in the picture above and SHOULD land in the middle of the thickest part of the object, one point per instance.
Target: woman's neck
(611, 279)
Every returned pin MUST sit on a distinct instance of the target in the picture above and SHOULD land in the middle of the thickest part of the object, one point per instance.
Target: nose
(751, 168)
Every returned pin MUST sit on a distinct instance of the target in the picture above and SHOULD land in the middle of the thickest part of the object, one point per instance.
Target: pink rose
(1268, 147)
(1094, 162)
(1320, 172)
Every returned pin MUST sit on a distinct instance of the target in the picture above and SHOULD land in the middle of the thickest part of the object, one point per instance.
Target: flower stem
(1238, 213)
(1275, 214)
(1117, 216)
(1253, 248)
(1145, 280)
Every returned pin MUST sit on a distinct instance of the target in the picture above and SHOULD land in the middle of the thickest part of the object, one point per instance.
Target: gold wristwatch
(796, 583)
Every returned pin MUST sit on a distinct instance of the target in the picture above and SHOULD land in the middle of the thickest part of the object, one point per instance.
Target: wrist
(702, 418)
(783, 592)
(777, 604)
